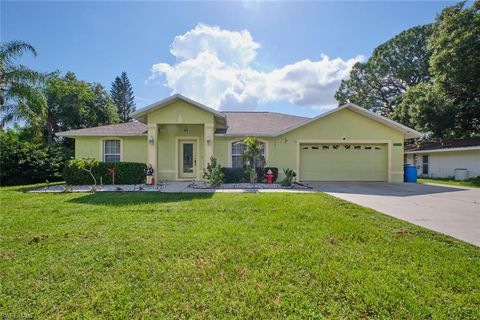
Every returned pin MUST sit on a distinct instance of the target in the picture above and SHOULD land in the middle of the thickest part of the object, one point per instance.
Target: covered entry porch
(179, 151)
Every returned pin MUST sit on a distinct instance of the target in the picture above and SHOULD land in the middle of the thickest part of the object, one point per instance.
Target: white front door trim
(197, 155)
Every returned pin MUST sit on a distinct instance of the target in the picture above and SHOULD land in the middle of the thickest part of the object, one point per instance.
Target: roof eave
(73, 135)
(412, 134)
(245, 135)
(408, 132)
(443, 150)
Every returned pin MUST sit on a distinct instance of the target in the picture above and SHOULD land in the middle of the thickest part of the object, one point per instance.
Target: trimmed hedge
(127, 173)
(238, 175)
(234, 175)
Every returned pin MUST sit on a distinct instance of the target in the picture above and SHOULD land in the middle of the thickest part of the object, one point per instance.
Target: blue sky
(278, 56)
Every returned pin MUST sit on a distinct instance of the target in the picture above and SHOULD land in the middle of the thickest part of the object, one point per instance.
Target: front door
(187, 159)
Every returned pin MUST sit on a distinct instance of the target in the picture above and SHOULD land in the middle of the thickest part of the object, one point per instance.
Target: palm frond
(23, 74)
(26, 103)
(14, 49)
(7, 112)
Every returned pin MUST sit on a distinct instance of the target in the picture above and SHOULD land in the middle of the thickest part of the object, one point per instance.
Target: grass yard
(125, 255)
(473, 183)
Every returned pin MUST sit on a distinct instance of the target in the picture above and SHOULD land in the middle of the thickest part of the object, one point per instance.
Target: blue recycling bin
(410, 173)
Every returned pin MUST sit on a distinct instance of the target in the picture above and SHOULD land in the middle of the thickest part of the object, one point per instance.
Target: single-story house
(177, 136)
(439, 159)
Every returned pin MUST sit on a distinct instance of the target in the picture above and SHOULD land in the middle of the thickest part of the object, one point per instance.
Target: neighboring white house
(440, 159)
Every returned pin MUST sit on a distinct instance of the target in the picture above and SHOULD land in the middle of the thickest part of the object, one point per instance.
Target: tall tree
(123, 97)
(455, 63)
(75, 104)
(21, 97)
(449, 105)
(426, 108)
(393, 68)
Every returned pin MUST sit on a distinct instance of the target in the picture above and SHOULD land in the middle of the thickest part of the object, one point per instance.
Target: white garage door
(343, 162)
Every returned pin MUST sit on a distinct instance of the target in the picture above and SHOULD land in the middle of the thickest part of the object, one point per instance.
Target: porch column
(152, 135)
(208, 136)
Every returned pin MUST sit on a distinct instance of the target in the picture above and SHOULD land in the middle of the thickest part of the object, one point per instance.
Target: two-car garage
(343, 162)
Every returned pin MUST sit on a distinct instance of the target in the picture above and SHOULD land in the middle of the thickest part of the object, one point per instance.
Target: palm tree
(21, 97)
(252, 152)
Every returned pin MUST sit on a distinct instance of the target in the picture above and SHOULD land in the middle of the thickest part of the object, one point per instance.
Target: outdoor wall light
(151, 140)
(209, 140)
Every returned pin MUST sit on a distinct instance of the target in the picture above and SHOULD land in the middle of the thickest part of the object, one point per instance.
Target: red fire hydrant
(269, 177)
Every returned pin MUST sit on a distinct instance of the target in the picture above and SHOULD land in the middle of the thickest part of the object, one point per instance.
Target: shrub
(235, 175)
(23, 162)
(126, 173)
(213, 173)
(289, 175)
(238, 175)
(88, 165)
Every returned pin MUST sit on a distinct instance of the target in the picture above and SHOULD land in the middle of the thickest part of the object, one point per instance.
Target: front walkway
(454, 211)
(178, 187)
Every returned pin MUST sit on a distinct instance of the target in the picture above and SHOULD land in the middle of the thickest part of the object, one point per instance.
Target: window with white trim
(237, 150)
(111, 150)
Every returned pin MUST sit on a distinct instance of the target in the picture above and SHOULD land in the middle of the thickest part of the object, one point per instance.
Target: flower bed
(202, 185)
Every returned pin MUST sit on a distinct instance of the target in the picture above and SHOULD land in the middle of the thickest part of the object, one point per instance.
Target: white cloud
(231, 47)
(214, 67)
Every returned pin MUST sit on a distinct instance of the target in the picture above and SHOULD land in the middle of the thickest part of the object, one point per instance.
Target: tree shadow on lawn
(133, 198)
(31, 187)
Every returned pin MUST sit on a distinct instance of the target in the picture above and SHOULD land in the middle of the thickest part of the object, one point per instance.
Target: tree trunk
(49, 130)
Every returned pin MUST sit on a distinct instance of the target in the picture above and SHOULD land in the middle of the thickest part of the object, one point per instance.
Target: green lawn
(139, 255)
(473, 183)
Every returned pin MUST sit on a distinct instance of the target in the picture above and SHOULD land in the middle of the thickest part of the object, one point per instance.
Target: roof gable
(408, 132)
(141, 114)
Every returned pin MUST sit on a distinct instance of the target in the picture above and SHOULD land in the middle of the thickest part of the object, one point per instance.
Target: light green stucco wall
(220, 149)
(134, 149)
(87, 147)
(180, 112)
(282, 150)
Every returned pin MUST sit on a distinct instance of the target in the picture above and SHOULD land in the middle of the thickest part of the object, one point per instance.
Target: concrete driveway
(454, 211)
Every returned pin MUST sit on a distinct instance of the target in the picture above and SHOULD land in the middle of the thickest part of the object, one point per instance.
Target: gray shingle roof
(259, 123)
(239, 123)
(134, 128)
